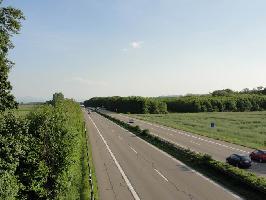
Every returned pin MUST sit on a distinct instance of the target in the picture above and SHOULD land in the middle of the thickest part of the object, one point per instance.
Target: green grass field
(244, 128)
(23, 110)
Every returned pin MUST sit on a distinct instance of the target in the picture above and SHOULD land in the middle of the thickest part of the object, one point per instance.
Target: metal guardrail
(92, 195)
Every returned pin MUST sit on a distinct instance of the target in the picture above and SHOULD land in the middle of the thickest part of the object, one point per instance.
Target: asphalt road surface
(219, 150)
(130, 168)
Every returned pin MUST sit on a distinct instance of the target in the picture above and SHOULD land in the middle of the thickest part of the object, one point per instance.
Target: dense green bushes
(41, 155)
(12, 147)
(207, 103)
(134, 105)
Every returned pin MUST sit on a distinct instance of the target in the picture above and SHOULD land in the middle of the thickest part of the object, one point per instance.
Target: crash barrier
(92, 195)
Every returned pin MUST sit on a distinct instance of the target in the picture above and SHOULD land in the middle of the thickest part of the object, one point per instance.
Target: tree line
(131, 104)
(235, 102)
(208, 103)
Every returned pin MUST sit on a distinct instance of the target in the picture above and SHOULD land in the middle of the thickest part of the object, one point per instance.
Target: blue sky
(87, 48)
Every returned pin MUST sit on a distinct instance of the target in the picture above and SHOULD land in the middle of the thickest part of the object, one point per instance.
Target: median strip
(245, 183)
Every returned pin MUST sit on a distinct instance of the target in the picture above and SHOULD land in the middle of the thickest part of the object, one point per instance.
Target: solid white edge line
(183, 164)
(130, 187)
(161, 175)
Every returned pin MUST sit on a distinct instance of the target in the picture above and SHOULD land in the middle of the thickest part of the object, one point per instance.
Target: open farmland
(25, 109)
(244, 128)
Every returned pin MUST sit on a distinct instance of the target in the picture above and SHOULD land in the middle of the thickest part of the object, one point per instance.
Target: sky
(87, 48)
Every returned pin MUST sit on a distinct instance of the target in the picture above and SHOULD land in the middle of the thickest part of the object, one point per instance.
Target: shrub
(145, 132)
(40, 156)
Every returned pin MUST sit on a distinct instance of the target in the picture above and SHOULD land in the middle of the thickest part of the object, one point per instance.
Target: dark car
(131, 121)
(239, 160)
(258, 155)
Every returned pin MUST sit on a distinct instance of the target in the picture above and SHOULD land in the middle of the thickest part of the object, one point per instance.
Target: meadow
(23, 110)
(243, 128)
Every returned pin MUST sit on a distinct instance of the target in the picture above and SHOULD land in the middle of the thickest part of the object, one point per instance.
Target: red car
(259, 155)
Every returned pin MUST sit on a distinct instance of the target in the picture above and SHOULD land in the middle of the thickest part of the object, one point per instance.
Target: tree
(245, 90)
(263, 91)
(10, 24)
(57, 97)
(260, 88)
(225, 92)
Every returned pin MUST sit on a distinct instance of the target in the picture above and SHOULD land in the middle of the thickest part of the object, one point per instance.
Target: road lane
(111, 185)
(219, 150)
(129, 185)
(152, 173)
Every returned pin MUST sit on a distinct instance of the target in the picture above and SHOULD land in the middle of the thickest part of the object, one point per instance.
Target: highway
(128, 168)
(219, 150)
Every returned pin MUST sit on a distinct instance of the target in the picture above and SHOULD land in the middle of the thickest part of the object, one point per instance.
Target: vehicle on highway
(239, 160)
(131, 121)
(258, 155)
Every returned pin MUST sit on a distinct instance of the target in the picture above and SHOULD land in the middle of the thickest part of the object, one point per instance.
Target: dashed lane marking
(133, 149)
(183, 164)
(130, 187)
(194, 142)
(161, 175)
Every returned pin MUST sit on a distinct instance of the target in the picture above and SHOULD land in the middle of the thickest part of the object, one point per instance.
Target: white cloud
(136, 44)
(89, 82)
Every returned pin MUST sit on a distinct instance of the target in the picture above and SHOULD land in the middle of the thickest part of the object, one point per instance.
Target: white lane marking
(180, 145)
(130, 187)
(133, 149)
(183, 164)
(189, 135)
(161, 175)
(194, 142)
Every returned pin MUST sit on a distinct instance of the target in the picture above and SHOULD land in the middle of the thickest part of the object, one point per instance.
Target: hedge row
(199, 160)
(41, 155)
(207, 103)
(134, 105)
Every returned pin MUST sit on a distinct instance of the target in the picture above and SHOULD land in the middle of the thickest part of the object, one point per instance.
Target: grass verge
(244, 183)
(91, 170)
(85, 187)
(242, 128)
